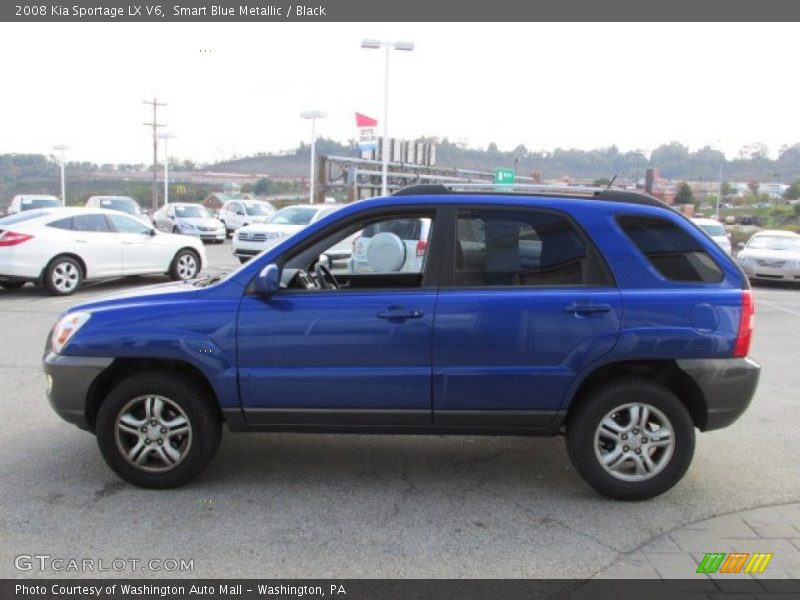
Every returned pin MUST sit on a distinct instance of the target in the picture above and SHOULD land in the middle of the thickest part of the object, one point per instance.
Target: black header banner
(398, 10)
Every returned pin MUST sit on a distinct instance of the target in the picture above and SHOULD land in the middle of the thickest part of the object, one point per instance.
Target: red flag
(365, 121)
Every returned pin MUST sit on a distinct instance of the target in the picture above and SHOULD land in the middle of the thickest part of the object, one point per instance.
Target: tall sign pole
(155, 125)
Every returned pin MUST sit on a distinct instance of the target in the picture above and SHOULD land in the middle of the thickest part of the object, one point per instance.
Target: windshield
(31, 203)
(768, 242)
(713, 229)
(294, 215)
(256, 209)
(191, 212)
(127, 205)
(20, 217)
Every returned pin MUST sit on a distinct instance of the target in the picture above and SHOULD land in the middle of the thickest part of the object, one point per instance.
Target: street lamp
(375, 45)
(719, 186)
(166, 136)
(313, 115)
(61, 148)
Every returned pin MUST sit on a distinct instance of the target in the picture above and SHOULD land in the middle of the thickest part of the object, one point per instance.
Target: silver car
(190, 219)
(772, 256)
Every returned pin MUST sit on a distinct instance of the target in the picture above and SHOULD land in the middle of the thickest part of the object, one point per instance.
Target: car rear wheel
(158, 430)
(63, 276)
(631, 439)
(185, 265)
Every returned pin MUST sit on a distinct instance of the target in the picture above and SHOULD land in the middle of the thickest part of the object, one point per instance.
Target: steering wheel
(325, 278)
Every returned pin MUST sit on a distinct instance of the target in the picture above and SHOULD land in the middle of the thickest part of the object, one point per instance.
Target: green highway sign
(504, 176)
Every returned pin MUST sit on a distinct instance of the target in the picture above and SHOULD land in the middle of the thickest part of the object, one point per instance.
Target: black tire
(228, 232)
(55, 276)
(175, 229)
(11, 285)
(177, 270)
(196, 403)
(243, 259)
(590, 412)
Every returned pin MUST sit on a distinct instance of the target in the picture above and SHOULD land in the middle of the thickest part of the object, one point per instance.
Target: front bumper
(68, 381)
(727, 384)
(770, 273)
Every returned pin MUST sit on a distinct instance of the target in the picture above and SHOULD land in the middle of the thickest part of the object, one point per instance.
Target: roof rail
(565, 191)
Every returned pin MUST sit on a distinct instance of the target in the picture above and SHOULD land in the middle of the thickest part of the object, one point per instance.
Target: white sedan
(60, 248)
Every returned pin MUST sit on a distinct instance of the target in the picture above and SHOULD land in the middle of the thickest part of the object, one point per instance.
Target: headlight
(744, 259)
(66, 327)
(185, 226)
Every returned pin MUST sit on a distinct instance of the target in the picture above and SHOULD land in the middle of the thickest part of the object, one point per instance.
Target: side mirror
(268, 280)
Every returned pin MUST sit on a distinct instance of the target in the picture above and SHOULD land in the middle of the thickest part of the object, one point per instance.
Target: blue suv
(597, 313)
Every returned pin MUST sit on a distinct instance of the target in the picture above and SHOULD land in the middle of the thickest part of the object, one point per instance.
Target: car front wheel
(158, 430)
(185, 265)
(631, 440)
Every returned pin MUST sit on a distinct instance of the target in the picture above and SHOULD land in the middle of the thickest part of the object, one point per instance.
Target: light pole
(719, 185)
(375, 45)
(61, 148)
(313, 115)
(166, 136)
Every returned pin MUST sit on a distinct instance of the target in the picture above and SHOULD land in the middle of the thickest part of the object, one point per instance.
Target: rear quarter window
(670, 249)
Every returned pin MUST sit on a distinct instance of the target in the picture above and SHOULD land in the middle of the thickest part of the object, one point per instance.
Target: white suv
(250, 240)
(23, 202)
(238, 213)
(398, 245)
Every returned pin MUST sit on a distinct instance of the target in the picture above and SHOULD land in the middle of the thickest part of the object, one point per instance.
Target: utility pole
(155, 125)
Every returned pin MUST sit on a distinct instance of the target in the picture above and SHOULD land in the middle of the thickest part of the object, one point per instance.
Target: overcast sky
(236, 88)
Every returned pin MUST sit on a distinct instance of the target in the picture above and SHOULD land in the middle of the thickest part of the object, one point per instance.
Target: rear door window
(670, 249)
(501, 247)
(93, 223)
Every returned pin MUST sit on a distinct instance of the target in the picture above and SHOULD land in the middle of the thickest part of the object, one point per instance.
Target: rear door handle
(587, 308)
(400, 314)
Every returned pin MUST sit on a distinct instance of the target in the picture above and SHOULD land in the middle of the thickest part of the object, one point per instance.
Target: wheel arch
(77, 257)
(664, 372)
(122, 368)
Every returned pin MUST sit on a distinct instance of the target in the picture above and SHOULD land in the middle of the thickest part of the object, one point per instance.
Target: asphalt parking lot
(292, 505)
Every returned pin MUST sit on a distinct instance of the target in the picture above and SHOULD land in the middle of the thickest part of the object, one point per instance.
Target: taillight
(422, 246)
(9, 238)
(745, 333)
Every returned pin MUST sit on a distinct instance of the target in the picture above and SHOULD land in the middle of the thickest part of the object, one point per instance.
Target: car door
(142, 252)
(97, 245)
(359, 355)
(526, 302)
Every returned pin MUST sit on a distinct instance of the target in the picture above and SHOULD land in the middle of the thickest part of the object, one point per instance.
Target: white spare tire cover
(386, 252)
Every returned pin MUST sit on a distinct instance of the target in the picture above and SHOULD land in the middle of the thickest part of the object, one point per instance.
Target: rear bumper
(728, 385)
(68, 381)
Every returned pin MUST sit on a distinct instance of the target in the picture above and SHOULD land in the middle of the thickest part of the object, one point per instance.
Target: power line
(155, 125)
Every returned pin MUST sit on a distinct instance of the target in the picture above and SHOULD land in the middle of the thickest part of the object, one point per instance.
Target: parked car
(391, 246)
(63, 247)
(121, 203)
(252, 239)
(772, 255)
(598, 313)
(716, 231)
(190, 219)
(22, 202)
(238, 213)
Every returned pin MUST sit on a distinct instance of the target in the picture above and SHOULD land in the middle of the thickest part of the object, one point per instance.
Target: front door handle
(399, 313)
(587, 308)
